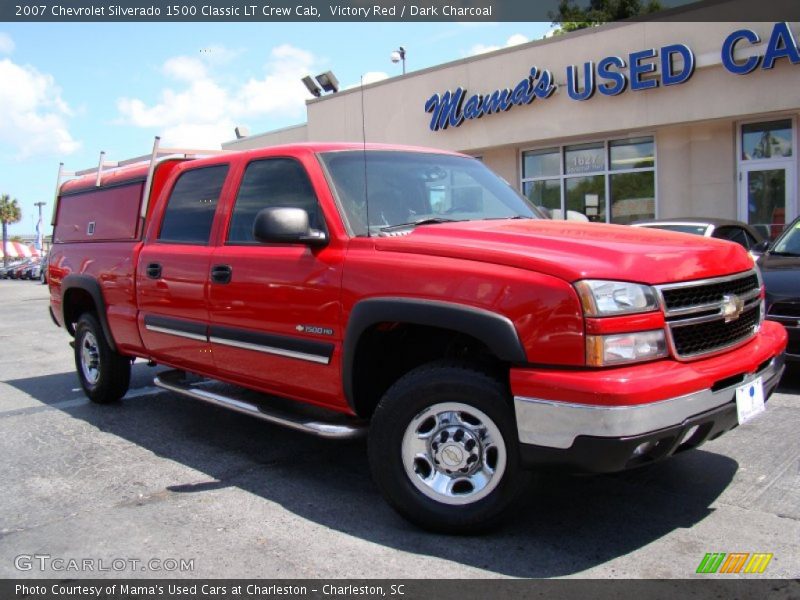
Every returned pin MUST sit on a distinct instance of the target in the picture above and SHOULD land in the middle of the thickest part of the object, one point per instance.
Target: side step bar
(176, 381)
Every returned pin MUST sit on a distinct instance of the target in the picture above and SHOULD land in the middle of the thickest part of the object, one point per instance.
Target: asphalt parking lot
(163, 477)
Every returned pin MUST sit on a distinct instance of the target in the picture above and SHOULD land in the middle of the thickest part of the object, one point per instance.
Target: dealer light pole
(398, 56)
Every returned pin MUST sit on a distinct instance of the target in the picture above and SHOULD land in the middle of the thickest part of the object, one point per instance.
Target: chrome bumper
(556, 424)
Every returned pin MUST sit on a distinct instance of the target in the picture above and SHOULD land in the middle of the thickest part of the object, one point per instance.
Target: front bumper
(601, 426)
(792, 325)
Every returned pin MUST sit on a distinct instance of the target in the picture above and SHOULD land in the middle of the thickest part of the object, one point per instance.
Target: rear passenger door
(173, 272)
(275, 315)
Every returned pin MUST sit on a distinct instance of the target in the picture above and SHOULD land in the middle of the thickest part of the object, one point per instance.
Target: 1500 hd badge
(314, 329)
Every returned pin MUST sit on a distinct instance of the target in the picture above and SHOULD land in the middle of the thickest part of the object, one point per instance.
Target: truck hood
(572, 250)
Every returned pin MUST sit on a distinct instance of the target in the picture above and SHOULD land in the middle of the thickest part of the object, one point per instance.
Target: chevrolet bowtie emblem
(732, 307)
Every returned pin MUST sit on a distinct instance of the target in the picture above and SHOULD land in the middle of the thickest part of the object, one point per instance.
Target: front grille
(701, 316)
(708, 293)
(702, 338)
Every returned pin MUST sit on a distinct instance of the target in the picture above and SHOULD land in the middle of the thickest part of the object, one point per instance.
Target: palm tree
(9, 213)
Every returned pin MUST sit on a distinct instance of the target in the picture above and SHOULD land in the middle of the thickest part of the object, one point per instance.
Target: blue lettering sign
(497, 101)
(588, 81)
(618, 81)
(446, 110)
(638, 69)
(668, 74)
(676, 62)
(729, 47)
(781, 44)
(545, 87)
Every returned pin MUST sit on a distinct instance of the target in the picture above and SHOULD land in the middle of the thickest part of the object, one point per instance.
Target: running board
(176, 381)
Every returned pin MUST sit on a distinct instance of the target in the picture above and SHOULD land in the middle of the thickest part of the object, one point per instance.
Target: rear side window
(191, 206)
(275, 182)
(733, 234)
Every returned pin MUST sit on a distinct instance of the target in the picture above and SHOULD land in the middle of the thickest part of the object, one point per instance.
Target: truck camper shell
(110, 202)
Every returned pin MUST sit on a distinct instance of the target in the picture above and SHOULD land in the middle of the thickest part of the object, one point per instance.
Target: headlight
(606, 298)
(607, 350)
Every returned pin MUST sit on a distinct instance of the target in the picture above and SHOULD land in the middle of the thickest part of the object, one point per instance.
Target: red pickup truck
(413, 295)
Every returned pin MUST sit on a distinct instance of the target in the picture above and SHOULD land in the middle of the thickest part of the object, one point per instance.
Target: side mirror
(284, 225)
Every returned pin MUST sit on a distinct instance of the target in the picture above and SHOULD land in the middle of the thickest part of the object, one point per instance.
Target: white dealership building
(619, 122)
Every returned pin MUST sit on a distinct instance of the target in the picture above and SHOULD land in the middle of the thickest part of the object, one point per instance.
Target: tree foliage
(10, 212)
(571, 16)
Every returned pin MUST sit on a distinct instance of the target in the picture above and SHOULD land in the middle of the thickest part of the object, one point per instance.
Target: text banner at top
(365, 10)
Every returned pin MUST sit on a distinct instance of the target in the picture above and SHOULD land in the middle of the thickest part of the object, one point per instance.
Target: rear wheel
(443, 448)
(104, 374)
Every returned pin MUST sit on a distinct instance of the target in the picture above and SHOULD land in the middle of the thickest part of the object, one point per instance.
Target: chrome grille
(711, 315)
(707, 293)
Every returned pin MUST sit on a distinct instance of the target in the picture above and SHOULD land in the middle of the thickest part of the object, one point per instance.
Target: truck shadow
(790, 382)
(565, 525)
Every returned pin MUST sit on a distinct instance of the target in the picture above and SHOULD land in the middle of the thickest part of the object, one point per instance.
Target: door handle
(154, 271)
(221, 273)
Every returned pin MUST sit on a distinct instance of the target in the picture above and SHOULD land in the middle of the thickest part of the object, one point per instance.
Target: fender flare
(91, 286)
(496, 331)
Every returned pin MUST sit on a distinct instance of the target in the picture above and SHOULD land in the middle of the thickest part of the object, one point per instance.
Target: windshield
(415, 187)
(789, 242)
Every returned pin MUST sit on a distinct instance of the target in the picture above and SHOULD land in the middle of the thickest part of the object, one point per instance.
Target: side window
(275, 182)
(733, 234)
(190, 208)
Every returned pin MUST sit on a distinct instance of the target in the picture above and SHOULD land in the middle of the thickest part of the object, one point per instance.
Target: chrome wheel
(453, 453)
(90, 358)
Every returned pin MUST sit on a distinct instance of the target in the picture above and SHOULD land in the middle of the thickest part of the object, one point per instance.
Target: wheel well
(387, 351)
(76, 302)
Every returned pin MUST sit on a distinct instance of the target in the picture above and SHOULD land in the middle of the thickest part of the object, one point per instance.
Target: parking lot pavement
(162, 477)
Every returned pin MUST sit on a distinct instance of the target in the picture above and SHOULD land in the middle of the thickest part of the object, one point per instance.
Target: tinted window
(191, 206)
(733, 234)
(693, 229)
(276, 182)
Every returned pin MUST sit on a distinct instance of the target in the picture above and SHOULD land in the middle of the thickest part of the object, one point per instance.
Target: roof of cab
(138, 171)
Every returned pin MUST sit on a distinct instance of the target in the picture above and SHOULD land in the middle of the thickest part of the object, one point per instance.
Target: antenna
(364, 151)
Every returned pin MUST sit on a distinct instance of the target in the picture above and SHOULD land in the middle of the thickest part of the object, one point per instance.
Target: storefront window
(585, 158)
(545, 193)
(772, 139)
(587, 195)
(543, 163)
(632, 197)
(612, 181)
(632, 154)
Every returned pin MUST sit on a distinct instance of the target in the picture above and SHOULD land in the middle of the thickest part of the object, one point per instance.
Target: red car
(411, 295)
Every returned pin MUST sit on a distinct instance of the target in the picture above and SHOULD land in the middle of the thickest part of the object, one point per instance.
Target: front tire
(443, 448)
(104, 374)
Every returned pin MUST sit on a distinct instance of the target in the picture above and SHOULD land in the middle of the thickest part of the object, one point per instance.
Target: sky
(70, 90)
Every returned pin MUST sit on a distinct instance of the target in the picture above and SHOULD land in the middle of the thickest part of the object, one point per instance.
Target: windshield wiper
(427, 221)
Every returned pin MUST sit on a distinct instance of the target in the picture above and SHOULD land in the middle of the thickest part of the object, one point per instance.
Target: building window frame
(606, 172)
(790, 163)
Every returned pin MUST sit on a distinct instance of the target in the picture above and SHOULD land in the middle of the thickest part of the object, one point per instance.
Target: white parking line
(145, 391)
(149, 390)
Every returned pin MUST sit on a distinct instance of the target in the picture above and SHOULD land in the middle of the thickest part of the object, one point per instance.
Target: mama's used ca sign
(611, 76)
